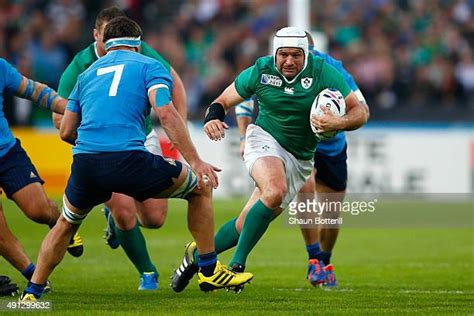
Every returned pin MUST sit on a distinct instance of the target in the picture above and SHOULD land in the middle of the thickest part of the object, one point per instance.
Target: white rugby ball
(332, 100)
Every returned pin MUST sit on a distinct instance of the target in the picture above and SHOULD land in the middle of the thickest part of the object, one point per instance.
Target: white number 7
(117, 70)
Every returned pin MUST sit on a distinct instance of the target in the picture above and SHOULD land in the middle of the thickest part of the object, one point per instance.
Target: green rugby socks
(255, 225)
(226, 238)
(134, 245)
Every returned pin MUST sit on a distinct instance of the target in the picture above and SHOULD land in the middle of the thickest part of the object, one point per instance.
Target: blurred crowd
(402, 53)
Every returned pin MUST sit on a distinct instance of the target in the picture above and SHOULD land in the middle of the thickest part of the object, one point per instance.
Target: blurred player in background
(105, 119)
(280, 146)
(123, 228)
(329, 180)
(18, 176)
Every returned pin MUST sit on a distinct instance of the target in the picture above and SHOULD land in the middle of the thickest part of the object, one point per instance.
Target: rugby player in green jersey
(123, 228)
(280, 146)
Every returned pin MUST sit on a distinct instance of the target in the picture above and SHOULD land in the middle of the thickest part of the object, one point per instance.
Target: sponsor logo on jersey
(271, 80)
(306, 82)
(289, 90)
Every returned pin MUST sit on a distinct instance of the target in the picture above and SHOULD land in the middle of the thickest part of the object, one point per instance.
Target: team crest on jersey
(271, 80)
(306, 82)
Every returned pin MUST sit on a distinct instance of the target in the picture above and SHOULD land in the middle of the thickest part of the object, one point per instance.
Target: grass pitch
(380, 270)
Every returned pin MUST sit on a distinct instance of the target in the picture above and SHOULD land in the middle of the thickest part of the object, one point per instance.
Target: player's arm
(244, 114)
(362, 101)
(355, 89)
(214, 125)
(57, 118)
(242, 88)
(69, 124)
(356, 114)
(179, 95)
(348, 78)
(72, 117)
(66, 85)
(41, 94)
(175, 128)
(355, 117)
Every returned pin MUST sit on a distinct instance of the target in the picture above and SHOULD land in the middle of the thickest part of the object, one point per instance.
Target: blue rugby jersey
(10, 80)
(111, 97)
(334, 145)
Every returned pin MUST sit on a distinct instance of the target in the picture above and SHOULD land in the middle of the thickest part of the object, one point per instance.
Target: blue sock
(324, 257)
(207, 263)
(35, 289)
(313, 250)
(28, 272)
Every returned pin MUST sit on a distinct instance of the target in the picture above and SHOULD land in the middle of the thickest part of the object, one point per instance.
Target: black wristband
(215, 112)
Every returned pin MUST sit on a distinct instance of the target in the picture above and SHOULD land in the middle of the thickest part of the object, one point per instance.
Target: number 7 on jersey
(117, 70)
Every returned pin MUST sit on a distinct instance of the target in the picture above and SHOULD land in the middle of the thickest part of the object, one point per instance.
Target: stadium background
(413, 60)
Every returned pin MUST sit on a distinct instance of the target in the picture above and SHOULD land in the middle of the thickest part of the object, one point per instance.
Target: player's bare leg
(32, 200)
(54, 247)
(270, 177)
(152, 212)
(10, 247)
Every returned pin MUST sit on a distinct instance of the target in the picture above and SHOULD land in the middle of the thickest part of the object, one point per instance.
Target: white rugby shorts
(259, 143)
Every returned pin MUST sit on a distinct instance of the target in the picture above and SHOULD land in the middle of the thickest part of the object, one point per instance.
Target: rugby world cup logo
(271, 80)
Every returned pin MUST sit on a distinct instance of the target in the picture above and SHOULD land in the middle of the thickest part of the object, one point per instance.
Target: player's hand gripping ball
(329, 99)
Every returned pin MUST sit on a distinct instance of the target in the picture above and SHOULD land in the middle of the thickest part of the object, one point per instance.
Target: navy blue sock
(28, 272)
(324, 257)
(207, 263)
(35, 289)
(313, 250)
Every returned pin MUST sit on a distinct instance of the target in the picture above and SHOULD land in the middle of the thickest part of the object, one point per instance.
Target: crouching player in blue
(105, 120)
(19, 178)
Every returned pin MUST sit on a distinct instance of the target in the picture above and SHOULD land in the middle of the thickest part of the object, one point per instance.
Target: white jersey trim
(157, 86)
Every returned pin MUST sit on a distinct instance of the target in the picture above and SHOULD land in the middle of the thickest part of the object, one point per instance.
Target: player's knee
(274, 195)
(124, 219)
(309, 186)
(155, 221)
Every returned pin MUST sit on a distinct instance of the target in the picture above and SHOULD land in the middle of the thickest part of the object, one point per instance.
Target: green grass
(380, 270)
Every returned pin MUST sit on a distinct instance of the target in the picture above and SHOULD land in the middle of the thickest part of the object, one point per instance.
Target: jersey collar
(95, 50)
(292, 80)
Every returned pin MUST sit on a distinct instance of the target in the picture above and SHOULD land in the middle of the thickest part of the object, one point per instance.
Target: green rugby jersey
(284, 107)
(87, 57)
